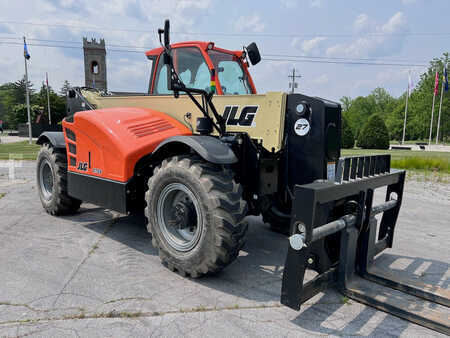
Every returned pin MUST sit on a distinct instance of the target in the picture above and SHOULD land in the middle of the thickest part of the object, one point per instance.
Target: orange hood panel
(112, 140)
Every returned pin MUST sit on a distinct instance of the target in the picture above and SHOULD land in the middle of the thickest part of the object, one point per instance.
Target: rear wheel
(52, 182)
(195, 213)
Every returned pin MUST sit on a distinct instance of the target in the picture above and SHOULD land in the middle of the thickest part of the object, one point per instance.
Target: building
(95, 64)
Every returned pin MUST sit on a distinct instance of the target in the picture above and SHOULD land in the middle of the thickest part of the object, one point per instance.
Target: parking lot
(96, 274)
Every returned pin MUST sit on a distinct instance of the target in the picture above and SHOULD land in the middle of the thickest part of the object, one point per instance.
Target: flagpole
(440, 108)
(406, 112)
(28, 98)
(436, 84)
(48, 101)
(439, 116)
(431, 122)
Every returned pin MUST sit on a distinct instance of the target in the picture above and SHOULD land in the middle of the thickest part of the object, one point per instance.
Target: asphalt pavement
(96, 274)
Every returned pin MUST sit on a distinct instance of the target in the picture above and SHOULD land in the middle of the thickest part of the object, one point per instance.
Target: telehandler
(202, 150)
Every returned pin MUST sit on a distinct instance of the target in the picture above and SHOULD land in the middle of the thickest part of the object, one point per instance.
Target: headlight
(300, 109)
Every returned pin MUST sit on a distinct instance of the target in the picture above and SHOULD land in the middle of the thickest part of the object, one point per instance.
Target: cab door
(191, 67)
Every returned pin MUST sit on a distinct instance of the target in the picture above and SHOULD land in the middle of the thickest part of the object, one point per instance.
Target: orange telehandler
(202, 150)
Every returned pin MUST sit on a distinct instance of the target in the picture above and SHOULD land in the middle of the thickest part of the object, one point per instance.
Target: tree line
(391, 110)
(13, 109)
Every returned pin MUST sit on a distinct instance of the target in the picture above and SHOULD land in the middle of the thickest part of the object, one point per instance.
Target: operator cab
(195, 61)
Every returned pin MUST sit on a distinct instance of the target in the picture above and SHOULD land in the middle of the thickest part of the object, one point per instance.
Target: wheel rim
(46, 179)
(179, 217)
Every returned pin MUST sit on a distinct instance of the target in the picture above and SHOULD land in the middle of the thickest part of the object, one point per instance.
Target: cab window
(233, 80)
(161, 79)
(190, 66)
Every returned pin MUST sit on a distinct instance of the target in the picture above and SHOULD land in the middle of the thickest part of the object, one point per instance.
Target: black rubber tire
(222, 207)
(60, 203)
(276, 221)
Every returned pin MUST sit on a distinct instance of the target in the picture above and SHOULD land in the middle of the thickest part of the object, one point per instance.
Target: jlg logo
(245, 119)
(82, 166)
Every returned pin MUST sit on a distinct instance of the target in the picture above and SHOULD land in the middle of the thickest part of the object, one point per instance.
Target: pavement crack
(124, 299)
(139, 314)
(89, 254)
(34, 309)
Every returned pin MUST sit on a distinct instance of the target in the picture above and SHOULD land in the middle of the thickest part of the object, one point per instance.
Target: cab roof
(200, 44)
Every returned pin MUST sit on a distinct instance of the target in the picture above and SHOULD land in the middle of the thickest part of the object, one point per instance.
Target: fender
(210, 148)
(55, 138)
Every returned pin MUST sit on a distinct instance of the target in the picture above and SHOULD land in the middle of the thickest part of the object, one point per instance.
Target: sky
(308, 35)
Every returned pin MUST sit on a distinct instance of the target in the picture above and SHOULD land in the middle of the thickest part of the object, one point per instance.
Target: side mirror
(253, 53)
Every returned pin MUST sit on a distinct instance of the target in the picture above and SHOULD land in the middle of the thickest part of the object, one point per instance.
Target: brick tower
(95, 64)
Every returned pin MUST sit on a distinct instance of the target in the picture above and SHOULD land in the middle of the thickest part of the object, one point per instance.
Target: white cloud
(198, 4)
(289, 3)
(321, 80)
(315, 3)
(361, 23)
(308, 46)
(252, 23)
(377, 40)
(126, 71)
(294, 3)
(295, 42)
(396, 24)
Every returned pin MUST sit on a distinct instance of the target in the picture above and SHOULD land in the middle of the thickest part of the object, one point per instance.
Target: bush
(374, 134)
(347, 138)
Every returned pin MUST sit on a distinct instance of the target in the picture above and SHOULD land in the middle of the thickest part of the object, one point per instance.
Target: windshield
(232, 78)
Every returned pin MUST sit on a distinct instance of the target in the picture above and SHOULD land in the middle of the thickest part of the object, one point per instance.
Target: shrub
(374, 134)
(347, 138)
(421, 163)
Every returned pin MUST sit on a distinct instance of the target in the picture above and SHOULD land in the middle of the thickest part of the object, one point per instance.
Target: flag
(25, 50)
(436, 83)
(46, 78)
(445, 79)
(410, 84)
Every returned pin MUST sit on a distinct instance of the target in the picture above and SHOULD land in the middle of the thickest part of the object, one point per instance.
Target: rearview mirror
(253, 53)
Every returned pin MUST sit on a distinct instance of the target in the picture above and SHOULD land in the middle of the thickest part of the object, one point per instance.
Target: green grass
(401, 159)
(410, 159)
(19, 150)
(433, 142)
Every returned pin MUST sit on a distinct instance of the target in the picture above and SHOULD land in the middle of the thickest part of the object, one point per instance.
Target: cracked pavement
(96, 274)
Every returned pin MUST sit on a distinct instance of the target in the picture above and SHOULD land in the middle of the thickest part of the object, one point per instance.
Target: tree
(374, 134)
(384, 103)
(57, 104)
(346, 103)
(65, 88)
(419, 107)
(18, 114)
(19, 90)
(347, 138)
(394, 121)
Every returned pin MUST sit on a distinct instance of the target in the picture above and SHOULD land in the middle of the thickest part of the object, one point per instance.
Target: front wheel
(195, 213)
(278, 217)
(52, 182)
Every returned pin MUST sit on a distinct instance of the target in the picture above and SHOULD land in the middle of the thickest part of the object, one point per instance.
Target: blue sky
(388, 31)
